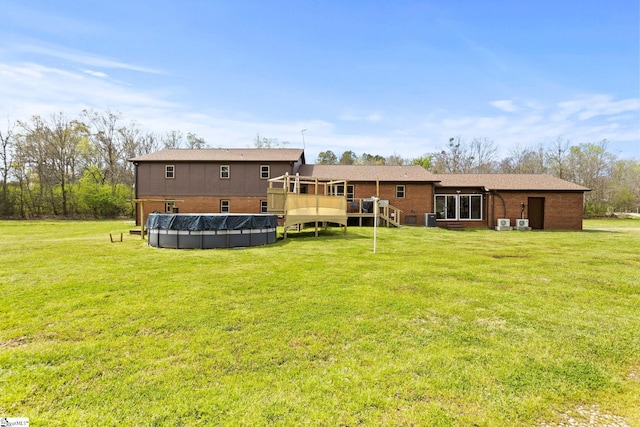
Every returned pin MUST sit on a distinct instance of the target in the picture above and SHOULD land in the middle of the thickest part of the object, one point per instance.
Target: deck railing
(363, 208)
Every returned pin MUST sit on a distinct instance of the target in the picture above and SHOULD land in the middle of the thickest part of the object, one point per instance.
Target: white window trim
(268, 170)
(264, 206)
(458, 206)
(222, 167)
(404, 191)
(166, 171)
(228, 206)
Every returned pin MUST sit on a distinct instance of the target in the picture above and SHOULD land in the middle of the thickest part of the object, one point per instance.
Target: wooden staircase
(390, 220)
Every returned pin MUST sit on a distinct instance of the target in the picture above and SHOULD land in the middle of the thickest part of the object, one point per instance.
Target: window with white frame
(224, 206)
(400, 191)
(338, 190)
(263, 206)
(224, 171)
(459, 206)
(265, 172)
(168, 207)
(169, 171)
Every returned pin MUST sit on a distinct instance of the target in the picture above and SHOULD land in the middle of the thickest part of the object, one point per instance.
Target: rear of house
(211, 180)
(407, 191)
(236, 181)
(479, 200)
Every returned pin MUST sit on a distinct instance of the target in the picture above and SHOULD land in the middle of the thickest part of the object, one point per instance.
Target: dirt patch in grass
(590, 416)
(15, 342)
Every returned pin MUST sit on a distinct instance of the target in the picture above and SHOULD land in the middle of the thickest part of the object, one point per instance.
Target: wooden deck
(362, 209)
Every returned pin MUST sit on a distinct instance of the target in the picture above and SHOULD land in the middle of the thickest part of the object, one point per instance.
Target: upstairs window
(265, 173)
(400, 191)
(170, 171)
(224, 171)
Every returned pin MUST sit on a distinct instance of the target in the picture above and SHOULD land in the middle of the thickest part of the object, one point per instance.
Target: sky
(381, 77)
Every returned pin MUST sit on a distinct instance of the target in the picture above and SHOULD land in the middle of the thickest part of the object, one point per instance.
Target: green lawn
(442, 328)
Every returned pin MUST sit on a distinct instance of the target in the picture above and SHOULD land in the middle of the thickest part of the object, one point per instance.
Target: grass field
(438, 328)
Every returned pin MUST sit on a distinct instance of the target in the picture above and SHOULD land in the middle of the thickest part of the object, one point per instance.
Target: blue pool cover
(196, 222)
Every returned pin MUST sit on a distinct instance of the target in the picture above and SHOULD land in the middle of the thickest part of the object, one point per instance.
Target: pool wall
(210, 231)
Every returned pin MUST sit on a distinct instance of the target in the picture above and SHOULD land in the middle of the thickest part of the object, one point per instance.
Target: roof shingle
(223, 155)
(369, 173)
(524, 182)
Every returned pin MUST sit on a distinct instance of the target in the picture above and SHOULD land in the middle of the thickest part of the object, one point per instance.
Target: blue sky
(382, 77)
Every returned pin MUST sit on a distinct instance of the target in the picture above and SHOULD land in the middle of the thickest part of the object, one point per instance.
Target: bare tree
(456, 158)
(53, 146)
(172, 139)
(195, 142)
(263, 142)
(483, 155)
(6, 142)
(524, 160)
(557, 158)
(394, 160)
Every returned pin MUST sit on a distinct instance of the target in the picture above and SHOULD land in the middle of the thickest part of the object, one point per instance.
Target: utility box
(430, 220)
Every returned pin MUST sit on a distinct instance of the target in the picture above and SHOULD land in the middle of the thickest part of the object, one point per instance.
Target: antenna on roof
(302, 132)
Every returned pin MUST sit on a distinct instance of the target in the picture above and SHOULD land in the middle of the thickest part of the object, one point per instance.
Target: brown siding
(202, 179)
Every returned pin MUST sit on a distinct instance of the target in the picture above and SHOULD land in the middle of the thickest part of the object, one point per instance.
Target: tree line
(614, 182)
(78, 167)
(59, 166)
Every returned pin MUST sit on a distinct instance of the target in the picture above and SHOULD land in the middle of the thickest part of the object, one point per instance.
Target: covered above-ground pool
(208, 231)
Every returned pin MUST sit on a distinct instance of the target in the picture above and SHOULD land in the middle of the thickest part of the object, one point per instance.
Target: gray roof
(223, 155)
(524, 182)
(368, 173)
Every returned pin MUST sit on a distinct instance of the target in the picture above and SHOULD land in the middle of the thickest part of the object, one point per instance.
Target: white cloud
(361, 116)
(80, 57)
(505, 105)
(95, 73)
(28, 89)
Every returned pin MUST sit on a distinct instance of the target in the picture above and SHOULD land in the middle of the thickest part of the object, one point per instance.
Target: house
(407, 191)
(480, 200)
(211, 180)
(236, 180)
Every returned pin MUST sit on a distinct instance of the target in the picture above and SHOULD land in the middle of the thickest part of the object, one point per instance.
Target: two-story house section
(211, 180)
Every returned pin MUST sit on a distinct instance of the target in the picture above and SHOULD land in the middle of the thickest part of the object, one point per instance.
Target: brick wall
(562, 211)
(418, 198)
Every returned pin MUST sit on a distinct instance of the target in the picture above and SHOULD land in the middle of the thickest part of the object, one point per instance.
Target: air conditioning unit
(522, 222)
(504, 224)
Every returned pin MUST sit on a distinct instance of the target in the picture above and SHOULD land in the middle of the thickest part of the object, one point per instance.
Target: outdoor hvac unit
(504, 224)
(522, 222)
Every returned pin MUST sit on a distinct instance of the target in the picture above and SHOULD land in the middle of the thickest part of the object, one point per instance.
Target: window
(459, 207)
(224, 206)
(263, 206)
(338, 190)
(224, 171)
(351, 191)
(168, 207)
(170, 171)
(264, 172)
(400, 191)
